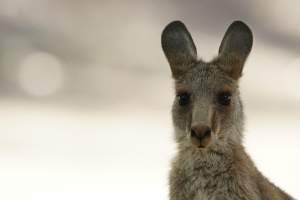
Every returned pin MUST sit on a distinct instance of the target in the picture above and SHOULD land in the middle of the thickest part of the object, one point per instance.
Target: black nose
(200, 132)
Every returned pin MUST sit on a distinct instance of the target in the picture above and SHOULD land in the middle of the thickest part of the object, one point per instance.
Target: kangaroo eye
(183, 99)
(224, 98)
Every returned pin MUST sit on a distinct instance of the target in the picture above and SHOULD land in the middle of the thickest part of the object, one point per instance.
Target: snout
(201, 135)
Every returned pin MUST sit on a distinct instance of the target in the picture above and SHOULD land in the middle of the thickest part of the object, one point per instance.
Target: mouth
(201, 143)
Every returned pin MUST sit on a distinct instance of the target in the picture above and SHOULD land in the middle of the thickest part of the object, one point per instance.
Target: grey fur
(221, 170)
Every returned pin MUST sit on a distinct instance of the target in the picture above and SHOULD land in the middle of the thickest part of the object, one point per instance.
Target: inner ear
(178, 47)
(235, 48)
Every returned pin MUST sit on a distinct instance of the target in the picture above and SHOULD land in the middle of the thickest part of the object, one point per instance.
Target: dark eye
(224, 98)
(183, 99)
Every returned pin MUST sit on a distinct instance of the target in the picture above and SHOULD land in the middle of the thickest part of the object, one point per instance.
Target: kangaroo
(211, 162)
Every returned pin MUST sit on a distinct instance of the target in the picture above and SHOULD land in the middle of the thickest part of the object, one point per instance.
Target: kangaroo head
(207, 110)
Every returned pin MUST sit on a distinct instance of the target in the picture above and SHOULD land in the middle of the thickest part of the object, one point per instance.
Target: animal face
(207, 111)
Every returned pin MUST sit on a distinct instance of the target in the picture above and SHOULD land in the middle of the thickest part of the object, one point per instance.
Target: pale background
(85, 94)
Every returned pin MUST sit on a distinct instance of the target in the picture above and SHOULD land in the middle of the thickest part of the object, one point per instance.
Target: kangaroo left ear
(235, 48)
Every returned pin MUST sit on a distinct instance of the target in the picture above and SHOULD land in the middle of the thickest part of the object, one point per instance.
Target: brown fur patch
(231, 64)
(180, 88)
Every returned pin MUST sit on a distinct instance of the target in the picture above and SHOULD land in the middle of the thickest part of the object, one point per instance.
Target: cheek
(222, 119)
(181, 117)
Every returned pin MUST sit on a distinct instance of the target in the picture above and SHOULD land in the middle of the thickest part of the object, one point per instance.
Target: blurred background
(86, 93)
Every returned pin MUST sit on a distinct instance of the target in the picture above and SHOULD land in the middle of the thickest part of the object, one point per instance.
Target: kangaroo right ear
(178, 47)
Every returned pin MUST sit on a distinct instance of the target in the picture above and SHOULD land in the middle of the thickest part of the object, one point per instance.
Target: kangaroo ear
(235, 48)
(178, 47)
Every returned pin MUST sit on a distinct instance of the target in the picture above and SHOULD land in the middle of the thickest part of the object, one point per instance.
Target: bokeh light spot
(41, 74)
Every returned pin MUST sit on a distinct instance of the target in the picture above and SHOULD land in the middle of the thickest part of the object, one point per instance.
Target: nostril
(193, 133)
(206, 133)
